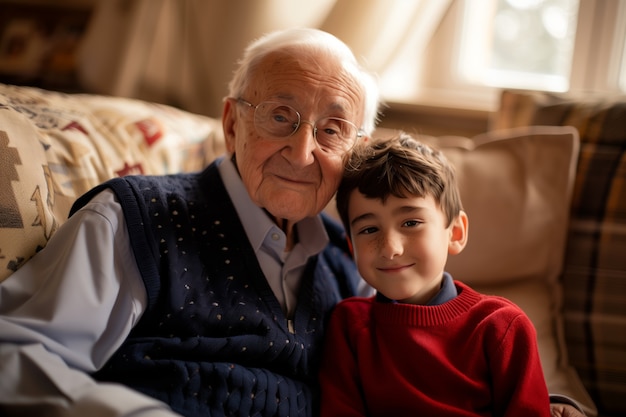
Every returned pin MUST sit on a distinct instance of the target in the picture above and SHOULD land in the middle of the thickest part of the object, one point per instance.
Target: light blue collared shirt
(446, 292)
(283, 269)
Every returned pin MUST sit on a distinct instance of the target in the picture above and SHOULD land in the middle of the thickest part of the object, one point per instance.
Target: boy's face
(401, 246)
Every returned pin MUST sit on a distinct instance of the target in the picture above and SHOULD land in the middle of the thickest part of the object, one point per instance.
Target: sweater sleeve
(519, 387)
(339, 377)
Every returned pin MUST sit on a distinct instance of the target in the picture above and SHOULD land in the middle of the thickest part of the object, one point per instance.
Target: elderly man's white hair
(313, 40)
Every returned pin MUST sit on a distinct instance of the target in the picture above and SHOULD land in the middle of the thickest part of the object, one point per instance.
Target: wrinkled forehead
(306, 79)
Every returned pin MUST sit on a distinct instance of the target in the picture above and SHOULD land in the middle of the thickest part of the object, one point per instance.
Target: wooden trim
(434, 120)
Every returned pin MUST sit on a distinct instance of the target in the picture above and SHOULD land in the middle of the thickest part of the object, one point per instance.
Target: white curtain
(182, 52)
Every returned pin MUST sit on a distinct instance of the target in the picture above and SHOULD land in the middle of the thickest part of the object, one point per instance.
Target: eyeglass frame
(359, 131)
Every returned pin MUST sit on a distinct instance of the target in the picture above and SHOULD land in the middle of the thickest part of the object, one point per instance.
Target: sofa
(523, 184)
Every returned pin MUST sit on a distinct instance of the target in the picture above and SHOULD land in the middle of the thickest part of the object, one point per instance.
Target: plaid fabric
(594, 277)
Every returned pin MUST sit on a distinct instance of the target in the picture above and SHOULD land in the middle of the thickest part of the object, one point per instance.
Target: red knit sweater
(474, 355)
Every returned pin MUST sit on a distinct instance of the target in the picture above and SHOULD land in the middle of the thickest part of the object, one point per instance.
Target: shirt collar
(446, 293)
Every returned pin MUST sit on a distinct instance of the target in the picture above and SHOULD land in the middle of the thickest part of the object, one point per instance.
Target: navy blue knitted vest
(214, 340)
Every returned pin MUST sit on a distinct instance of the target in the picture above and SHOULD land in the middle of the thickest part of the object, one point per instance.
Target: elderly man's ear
(458, 234)
(229, 123)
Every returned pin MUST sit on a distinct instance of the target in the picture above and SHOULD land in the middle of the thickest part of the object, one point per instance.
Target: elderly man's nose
(302, 144)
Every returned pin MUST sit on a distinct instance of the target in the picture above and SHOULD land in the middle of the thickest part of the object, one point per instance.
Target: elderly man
(202, 294)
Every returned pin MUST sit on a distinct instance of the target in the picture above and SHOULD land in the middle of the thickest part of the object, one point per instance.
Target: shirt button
(275, 236)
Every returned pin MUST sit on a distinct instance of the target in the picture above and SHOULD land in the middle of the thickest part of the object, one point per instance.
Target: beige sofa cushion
(516, 187)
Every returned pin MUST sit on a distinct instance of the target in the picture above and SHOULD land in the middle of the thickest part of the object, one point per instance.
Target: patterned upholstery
(54, 147)
(594, 276)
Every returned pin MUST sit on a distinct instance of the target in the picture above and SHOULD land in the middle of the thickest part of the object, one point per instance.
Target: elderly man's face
(292, 178)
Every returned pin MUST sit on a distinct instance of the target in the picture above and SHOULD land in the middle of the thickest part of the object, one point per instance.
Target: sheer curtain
(182, 52)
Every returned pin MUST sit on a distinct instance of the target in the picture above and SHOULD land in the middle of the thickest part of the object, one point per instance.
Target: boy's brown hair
(400, 166)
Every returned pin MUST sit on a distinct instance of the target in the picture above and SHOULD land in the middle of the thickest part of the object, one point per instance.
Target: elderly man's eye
(331, 132)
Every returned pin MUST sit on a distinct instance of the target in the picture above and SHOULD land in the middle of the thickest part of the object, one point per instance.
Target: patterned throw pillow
(54, 147)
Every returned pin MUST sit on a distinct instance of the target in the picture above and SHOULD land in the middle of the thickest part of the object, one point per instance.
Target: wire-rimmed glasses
(278, 121)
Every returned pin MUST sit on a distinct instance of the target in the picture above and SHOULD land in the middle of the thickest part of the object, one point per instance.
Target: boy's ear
(458, 234)
(350, 245)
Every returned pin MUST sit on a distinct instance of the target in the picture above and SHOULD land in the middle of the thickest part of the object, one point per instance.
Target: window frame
(599, 45)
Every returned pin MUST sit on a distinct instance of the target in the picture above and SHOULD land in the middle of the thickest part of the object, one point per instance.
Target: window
(518, 43)
(482, 46)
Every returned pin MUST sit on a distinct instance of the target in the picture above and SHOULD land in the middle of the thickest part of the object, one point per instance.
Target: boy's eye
(412, 223)
(368, 230)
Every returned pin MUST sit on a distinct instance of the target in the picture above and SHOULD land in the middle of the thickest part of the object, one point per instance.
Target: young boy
(425, 344)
